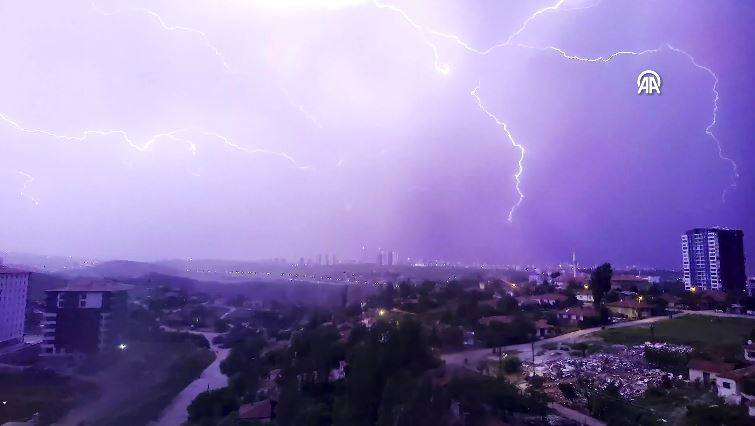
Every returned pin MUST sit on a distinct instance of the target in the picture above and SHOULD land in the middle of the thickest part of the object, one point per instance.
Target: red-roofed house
(262, 411)
(577, 315)
(706, 371)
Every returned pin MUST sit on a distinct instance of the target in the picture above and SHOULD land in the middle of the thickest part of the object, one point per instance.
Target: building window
(726, 385)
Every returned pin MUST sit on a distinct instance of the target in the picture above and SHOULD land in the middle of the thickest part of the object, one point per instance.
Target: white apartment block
(14, 285)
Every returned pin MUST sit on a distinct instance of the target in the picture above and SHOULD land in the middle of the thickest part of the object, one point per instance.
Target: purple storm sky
(283, 128)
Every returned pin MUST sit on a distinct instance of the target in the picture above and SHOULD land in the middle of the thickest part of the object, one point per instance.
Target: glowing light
(509, 42)
(165, 26)
(29, 179)
(122, 346)
(295, 5)
(440, 67)
(520, 164)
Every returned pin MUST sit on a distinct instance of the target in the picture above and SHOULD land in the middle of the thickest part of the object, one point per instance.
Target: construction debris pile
(624, 366)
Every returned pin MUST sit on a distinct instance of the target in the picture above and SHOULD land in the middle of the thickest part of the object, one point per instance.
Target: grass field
(705, 333)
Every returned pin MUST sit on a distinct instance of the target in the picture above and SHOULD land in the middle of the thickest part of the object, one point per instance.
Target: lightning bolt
(255, 151)
(28, 180)
(520, 164)
(509, 42)
(709, 128)
(207, 42)
(167, 27)
(441, 67)
(174, 136)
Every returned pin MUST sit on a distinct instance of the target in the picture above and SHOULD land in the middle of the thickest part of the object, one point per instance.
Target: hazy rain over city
(466, 130)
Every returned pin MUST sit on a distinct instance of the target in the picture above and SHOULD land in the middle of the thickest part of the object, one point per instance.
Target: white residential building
(14, 285)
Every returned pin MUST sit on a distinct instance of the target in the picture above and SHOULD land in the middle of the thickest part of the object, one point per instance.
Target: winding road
(470, 358)
(175, 413)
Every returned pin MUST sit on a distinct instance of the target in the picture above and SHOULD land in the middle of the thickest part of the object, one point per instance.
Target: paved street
(473, 356)
(211, 378)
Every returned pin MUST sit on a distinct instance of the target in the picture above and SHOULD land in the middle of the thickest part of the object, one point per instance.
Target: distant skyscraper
(319, 259)
(713, 259)
(380, 258)
(390, 259)
(574, 263)
(13, 288)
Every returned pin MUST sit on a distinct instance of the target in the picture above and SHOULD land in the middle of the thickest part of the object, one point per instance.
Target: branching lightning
(429, 36)
(509, 42)
(173, 136)
(709, 129)
(165, 26)
(440, 66)
(520, 169)
(176, 136)
(28, 180)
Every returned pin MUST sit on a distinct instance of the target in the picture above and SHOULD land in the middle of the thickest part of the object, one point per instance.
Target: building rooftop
(257, 411)
(739, 374)
(629, 303)
(503, 319)
(5, 270)
(585, 312)
(710, 366)
(93, 285)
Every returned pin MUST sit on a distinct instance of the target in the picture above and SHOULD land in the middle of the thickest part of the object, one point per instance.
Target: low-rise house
(491, 303)
(543, 329)
(469, 338)
(673, 301)
(630, 308)
(585, 296)
(707, 371)
(338, 373)
(749, 350)
(262, 411)
(503, 319)
(729, 385)
(630, 282)
(548, 299)
(577, 315)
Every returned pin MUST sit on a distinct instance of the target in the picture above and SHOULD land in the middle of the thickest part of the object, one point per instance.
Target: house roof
(630, 278)
(585, 312)
(503, 319)
(629, 303)
(4, 270)
(257, 410)
(93, 285)
(739, 374)
(710, 366)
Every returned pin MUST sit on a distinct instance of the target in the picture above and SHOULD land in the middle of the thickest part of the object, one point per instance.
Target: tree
(511, 365)
(212, 405)
(600, 282)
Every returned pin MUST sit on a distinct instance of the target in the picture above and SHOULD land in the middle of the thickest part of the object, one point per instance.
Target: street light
(122, 346)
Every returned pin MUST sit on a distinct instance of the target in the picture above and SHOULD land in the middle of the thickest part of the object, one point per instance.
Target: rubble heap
(624, 366)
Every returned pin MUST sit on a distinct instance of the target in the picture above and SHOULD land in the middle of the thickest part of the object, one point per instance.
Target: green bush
(511, 365)
(213, 404)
